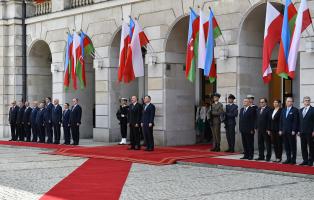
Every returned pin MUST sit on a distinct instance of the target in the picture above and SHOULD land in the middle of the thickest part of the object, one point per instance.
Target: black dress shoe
(267, 159)
(244, 157)
(250, 158)
(131, 148)
(286, 162)
(260, 158)
(304, 163)
(11, 140)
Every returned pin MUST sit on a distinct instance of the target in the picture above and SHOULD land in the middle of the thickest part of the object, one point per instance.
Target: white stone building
(239, 59)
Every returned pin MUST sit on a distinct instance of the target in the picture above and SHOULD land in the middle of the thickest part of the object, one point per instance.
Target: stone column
(101, 131)
(10, 60)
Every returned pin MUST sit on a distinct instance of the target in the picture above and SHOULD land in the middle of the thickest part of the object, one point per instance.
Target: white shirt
(274, 113)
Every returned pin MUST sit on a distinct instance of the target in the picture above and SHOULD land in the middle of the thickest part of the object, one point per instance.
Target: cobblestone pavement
(200, 183)
(27, 174)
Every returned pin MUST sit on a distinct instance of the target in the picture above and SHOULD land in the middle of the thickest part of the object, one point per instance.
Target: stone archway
(250, 58)
(118, 90)
(86, 98)
(39, 76)
(179, 92)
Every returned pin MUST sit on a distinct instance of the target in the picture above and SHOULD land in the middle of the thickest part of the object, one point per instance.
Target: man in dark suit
(75, 121)
(19, 122)
(27, 121)
(135, 110)
(147, 124)
(289, 123)
(12, 120)
(262, 122)
(246, 125)
(66, 124)
(230, 122)
(56, 120)
(48, 120)
(33, 121)
(306, 132)
(40, 121)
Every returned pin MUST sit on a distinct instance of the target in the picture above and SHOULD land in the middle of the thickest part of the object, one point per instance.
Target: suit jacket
(48, 113)
(56, 114)
(75, 115)
(246, 120)
(231, 114)
(135, 112)
(20, 114)
(27, 116)
(262, 119)
(33, 115)
(66, 118)
(13, 114)
(40, 117)
(291, 122)
(307, 122)
(274, 122)
(148, 114)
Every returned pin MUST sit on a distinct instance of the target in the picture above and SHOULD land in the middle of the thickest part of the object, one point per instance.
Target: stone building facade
(238, 59)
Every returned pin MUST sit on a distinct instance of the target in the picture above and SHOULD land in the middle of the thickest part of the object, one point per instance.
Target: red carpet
(95, 179)
(37, 145)
(254, 165)
(161, 155)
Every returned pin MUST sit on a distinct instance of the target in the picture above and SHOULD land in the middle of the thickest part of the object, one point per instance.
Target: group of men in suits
(140, 118)
(44, 120)
(277, 126)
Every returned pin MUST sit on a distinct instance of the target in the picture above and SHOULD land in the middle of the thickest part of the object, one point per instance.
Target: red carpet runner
(95, 179)
(254, 165)
(161, 155)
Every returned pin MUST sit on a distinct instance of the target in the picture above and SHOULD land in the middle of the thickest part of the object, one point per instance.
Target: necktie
(261, 110)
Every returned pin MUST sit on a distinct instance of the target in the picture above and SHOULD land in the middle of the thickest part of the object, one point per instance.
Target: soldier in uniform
(122, 115)
(230, 122)
(216, 113)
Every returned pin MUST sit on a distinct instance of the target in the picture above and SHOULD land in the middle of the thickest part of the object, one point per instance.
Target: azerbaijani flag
(290, 15)
(67, 64)
(213, 33)
(74, 58)
(86, 47)
(192, 46)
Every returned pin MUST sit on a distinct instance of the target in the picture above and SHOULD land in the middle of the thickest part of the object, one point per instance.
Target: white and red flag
(74, 58)
(272, 35)
(134, 64)
(124, 42)
(302, 22)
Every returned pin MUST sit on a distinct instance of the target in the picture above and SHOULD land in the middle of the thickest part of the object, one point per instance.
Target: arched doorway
(39, 77)
(250, 60)
(182, 96)
(117, 89)
(86, 98)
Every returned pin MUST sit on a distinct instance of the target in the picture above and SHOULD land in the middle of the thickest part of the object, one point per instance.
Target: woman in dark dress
(122, 115)
(273, 129)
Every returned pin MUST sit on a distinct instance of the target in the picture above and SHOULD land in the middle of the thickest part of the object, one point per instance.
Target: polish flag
(76, 45)
(302, 22)
(272, 35)
(124, 42)
(202, 40)
(134, 62)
